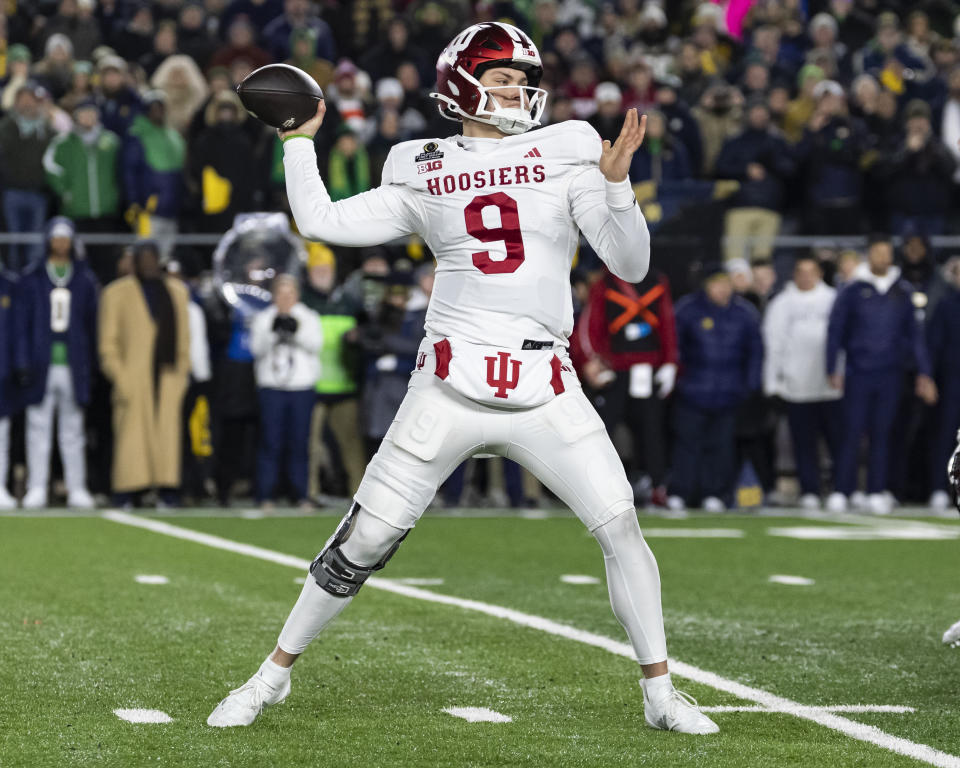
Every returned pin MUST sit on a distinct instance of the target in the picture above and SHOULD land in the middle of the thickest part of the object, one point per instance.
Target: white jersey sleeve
(370, 218)
(607, 212)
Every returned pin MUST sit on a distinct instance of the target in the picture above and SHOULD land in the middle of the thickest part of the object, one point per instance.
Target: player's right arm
(370, 218)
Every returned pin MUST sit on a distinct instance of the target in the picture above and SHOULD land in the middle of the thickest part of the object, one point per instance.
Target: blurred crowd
(764, 119)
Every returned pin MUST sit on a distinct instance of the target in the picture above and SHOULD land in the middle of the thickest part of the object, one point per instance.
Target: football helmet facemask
(468, 56)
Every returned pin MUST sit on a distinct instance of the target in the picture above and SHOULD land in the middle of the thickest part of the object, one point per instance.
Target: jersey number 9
(508, 232)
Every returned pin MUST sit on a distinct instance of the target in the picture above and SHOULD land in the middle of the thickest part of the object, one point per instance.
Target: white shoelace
(682, 699)
(257, 693)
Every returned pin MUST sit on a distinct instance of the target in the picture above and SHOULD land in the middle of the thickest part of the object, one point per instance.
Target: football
(280, 95)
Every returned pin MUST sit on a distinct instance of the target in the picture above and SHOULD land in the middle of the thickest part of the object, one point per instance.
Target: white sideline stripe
(793, 581)
(692, 533)
(866, 733)
(478, 715)
(143, 715)
(418, 581)
(150, 578)
(895, 709)
(576, 578)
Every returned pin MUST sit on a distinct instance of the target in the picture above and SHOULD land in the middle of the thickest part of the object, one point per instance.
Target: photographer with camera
(285, 339)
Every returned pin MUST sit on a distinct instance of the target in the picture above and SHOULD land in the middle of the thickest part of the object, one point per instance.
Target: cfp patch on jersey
(431, 151)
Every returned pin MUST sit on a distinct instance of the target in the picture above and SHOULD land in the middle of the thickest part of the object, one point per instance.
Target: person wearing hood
(53, 358)
(24, 137)
(874, 323)
(55, 70)
(81, 168)
(144, 336)
(9, 402)
(182, 83)
(153, 160)
(222, 164)
(795, 343)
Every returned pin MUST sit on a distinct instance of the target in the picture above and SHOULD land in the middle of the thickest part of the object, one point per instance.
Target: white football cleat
(939, 501)
(836, 502)
(952, 636)
(36, 498)
(714, 505)
(880, 503)
(80, 498)
(676, 503)
(243, 704)
(810, 501)
(6, 500)
(677, 711)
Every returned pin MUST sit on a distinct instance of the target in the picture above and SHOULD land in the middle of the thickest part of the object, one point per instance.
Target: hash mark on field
(576, 578)
(845, 708)
(143, 715)
(858, 731)
(793, 581)
(478, 715)
(150, 578)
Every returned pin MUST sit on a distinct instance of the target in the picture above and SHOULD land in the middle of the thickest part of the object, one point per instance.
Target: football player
(502, 208)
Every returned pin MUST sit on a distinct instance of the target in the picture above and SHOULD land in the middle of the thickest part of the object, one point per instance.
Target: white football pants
(4, 450)
(59, 397)
(563, 443)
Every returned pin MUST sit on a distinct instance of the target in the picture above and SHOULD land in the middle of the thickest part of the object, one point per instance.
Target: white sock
(633, 581)
(657, 687)
(314, 609)
(273, 674)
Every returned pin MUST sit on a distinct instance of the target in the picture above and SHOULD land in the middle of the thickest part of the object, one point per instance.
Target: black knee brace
(337, 575)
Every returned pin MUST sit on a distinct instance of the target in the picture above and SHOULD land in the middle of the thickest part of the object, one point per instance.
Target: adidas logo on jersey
(533, 153)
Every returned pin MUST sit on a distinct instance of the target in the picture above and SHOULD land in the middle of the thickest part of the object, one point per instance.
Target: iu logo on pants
(508, 376)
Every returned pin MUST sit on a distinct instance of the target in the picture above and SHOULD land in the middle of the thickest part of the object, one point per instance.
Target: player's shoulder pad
(573, 141)
(401, 165)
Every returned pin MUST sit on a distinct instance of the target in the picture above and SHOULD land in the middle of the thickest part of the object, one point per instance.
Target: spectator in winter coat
(625, 346)
(24, 137)
(721, 356)
(762, 162)
(222, 167)
(119, 102)
(874, 324)
(144, 344)
(381, 61)
(942, 332)
(794, 369)
(241, 45)
(297, 14)
(660, 158)
(9, 403)
(183, 85)
(348, 171)
(682, 124)
(82, 169)
(153, 157)
(830, 155)
(608, 119)
(54, 354)
(919, 177)
(285, 339)
(719, 117)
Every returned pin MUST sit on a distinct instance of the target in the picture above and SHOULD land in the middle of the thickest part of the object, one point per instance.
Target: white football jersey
(501, 216)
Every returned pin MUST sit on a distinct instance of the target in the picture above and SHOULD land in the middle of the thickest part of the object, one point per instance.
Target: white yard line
(143, 715)
(893, 709)
(866, 733)
(478, 715)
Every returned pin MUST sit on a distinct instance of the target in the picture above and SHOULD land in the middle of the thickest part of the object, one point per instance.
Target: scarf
(161, 309)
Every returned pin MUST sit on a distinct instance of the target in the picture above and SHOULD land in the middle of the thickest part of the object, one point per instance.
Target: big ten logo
(433, 165)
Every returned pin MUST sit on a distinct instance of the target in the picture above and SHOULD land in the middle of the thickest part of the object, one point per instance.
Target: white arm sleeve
(608, 215)
(370, 218)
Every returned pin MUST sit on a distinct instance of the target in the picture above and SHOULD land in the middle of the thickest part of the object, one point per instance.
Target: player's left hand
(615, 159)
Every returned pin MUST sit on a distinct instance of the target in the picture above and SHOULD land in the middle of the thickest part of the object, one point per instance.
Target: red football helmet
(463, 61)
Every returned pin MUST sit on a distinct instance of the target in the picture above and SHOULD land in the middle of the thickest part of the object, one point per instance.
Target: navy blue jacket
(8, 399)
(33, 337)
(766, 149)
(878, 332)
(943, 330)
(920, 183)
(720, 351)
(672, 163)
(831, 162)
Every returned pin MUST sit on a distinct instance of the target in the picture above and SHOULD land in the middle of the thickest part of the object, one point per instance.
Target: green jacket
(84, 176)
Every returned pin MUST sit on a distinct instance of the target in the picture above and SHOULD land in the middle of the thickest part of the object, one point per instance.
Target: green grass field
(80, 637)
